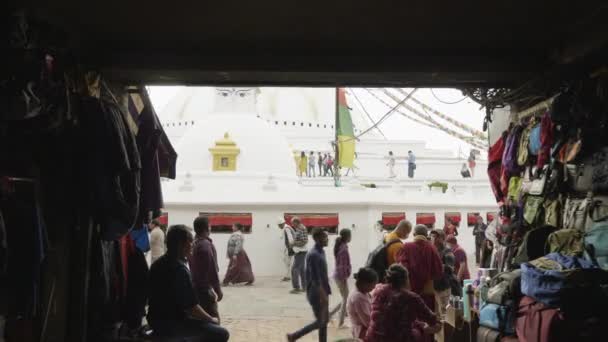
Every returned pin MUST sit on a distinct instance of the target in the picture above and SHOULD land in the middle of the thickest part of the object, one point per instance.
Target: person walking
(311, 165)
(401, 232)
(399, 314)
(479, 231)
(288, 251)
(320, 161)
(343, 269)
(329, 163)
(174, 311)
(303, 164)
(157, 241)
(424, 264)
(411, 164)
(239, 269)
(204, 268)
(472, 163)
(461, 267)
(298, 240)
(359, 305)
(464, 171)
(391, 165)
(317, 288)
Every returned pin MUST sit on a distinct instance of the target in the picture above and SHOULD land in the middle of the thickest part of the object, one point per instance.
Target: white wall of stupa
(268, 125)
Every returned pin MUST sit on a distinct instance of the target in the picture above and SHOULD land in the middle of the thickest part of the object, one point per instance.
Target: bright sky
(396, 126)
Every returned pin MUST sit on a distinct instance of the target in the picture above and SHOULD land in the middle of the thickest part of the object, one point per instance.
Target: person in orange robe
(420, 257)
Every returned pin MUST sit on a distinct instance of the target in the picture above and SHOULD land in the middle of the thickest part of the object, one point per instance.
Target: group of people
(307, 165)
(405, 302)
(185, 284)
(411, 164)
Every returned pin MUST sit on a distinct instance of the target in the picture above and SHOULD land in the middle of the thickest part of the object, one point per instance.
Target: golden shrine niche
(224, 154)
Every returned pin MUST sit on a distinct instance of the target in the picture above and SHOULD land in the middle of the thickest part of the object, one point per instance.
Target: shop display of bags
(596, 244)
(537, 322)
(498, 317)
(566, 241)
(575, 213)
(599, 176)
(487, 335)
(504, 288)
(554, 278)
(533, 244)
(532, 209)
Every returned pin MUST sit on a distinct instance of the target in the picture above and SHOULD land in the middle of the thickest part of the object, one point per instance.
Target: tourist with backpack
(386, 254)
(298, 241)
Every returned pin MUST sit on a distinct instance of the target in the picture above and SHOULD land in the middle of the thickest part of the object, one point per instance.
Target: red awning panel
(228, 219)
(455, 217)
(472, 218)
(425, 218)
(164, 219)
(490, 217)
(315, 220)
(392, 219)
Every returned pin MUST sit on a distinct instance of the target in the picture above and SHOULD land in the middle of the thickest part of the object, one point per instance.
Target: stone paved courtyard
(267, 311)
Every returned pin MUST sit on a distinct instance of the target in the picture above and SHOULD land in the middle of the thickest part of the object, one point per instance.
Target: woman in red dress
(239, 270)
(398, 314)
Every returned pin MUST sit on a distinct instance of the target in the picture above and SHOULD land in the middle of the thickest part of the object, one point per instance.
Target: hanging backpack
(599, 177)
(378, 259)
(566, 241)
(596, 244)
(537, 322)
(524, 143)
(504, 288)
(553, 212)
(575, 213)
(533, 244)
(533, 209)
(515, 185)
(557, 279)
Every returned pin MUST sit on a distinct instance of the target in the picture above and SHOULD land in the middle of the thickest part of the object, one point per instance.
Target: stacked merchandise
(549, 174)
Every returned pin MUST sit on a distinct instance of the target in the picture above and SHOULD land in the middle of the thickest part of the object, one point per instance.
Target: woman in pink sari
(398, 314)
(239, 270)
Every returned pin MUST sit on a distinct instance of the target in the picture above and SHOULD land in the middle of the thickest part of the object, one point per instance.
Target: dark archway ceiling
(423, 43)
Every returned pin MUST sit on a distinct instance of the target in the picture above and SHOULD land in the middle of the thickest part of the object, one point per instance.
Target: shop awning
(392, 219)
(425, 218)
(490, 217)
(315, 220)
(472, 218)
(164, 219)
(228, 219)
(454, 217)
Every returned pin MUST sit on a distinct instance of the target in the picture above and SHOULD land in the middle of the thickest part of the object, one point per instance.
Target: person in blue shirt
(317, 288)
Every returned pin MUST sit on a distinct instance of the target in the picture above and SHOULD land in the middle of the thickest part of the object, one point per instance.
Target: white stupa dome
(263, 150)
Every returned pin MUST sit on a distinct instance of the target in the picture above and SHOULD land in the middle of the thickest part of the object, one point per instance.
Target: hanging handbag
(514, 188)
(575, 213)
(532, 209)
(553, 210)
(537, 186)
(579, 177)
(599, 176)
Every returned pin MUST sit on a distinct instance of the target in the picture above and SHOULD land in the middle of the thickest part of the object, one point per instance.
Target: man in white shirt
(288, 253)
(157, 240)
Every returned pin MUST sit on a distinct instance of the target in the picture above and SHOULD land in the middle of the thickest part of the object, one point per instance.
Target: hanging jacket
(546, 141)
(495, 166)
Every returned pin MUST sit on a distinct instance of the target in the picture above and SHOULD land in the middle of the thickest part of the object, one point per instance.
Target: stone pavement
(267, 311)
